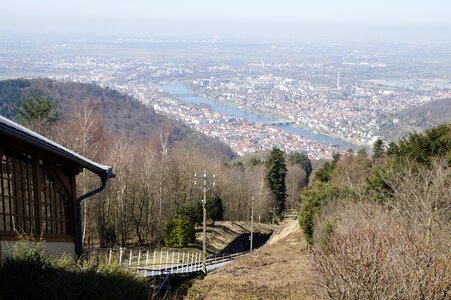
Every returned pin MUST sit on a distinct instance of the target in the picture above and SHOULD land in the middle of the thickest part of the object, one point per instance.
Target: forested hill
(416, 119)
(121, 113)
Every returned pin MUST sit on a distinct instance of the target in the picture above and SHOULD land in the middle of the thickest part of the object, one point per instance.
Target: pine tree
(378, 149)
(276, 171)
(37, 111)
(302, 160)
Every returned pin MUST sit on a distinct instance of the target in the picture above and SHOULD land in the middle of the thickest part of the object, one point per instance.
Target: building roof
(28, 136)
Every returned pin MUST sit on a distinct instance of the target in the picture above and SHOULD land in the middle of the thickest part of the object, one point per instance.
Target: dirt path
(278, 270)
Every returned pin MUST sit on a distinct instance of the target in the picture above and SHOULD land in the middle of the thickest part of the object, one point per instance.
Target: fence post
(153, 262)
(178, 261)
(139, 260)
(167, 259)
(130, 259)
(195, 261)
(187, 262)
(172, 261)
(190, 269)
(109, 257)
(120, 256)
(147, 262)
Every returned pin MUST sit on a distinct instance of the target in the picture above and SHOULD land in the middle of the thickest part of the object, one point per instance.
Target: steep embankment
(222, 236)
(278, 270)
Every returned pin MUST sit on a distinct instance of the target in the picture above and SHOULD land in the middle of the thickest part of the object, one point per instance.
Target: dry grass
(278, 270)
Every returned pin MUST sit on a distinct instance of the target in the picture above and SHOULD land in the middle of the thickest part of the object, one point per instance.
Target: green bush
(179, 233)
(28, 274)
(28, 249)
(313, 198)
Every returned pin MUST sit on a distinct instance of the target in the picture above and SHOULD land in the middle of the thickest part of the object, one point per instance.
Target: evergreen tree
(335, 158)
(215, 209)
(179, 233)
(254, 161)
(191, 212)
(37, 111)
(302, 160)
(424, 147)
(378, 149)
(324, 173)
(276, 171)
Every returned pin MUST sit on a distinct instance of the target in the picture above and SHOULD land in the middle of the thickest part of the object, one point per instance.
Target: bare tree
(423, 195)
(82, 131)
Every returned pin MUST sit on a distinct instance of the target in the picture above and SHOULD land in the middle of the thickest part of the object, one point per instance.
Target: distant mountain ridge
(121, 113)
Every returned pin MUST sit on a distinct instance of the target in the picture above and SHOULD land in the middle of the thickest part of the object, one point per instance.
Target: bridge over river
(281, 122)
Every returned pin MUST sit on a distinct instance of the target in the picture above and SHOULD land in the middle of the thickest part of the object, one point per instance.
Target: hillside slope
(416, 119)
(278, 270)
(122, 114)
(222, 233)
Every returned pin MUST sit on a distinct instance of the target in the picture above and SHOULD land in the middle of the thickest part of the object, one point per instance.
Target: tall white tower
(338, 80)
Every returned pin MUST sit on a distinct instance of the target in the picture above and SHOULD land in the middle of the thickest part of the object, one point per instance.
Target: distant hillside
(121, 113)
(416, 119)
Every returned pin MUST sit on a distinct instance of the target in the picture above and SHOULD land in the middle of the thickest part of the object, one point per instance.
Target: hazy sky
(230, 19)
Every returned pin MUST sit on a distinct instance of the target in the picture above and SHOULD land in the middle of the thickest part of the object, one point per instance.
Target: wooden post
(192, 261)
(147, 263)
(196, 262)
(139, 260)
(167, 259)
(172, 261)
(109, 257)
(187, 262)
(120, 256)
(153, 262)
(130, 259)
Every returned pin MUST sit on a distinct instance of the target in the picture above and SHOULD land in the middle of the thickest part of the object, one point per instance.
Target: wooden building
(38, 190)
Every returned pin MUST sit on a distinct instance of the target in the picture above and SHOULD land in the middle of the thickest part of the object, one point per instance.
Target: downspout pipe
(103, 178)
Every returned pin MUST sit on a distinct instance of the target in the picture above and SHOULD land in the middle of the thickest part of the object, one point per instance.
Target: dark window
(55, 203)
(18, 206)
(29, 207)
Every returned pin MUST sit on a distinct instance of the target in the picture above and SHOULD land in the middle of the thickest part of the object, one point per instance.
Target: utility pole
(252, 224)
(272, 211)
(205, 187)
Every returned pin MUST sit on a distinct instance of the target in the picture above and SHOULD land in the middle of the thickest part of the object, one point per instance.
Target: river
(177, 89)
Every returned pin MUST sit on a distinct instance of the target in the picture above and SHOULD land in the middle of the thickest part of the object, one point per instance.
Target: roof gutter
(28, 136)
(103, 181)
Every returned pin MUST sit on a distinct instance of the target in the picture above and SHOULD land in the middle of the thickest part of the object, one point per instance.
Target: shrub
(313, 199)
(28, 274)
(28, 249)
(372, 254)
